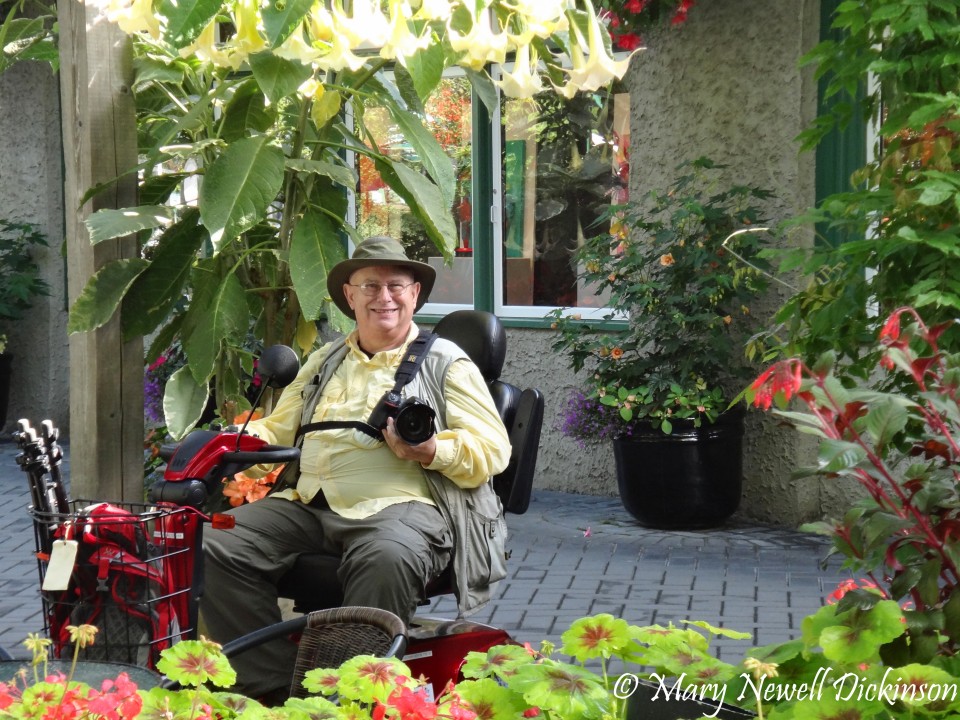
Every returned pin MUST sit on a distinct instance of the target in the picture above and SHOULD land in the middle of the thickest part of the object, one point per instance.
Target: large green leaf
(281, 18)
(183, 402)
(238, 187)
(108, 223)
(837, 455)
(161, 286)
(426, 202)
(247, 110)
(425, 68)
(185, 19)
(338, 173)
(218, 312)
(885, 420)
(435, 161)
(276, 76)
(314, 249)
(103, 293)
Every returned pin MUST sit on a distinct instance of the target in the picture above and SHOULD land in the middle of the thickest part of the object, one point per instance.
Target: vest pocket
(486, 540)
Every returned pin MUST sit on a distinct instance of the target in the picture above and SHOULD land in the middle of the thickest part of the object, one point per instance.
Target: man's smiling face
(383, 319)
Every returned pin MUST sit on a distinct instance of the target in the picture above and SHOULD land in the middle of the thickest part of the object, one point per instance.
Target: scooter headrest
(480, 335)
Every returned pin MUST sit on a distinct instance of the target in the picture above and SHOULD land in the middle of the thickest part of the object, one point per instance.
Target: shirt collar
(384, 358)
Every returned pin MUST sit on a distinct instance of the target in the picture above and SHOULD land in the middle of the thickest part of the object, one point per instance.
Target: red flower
(783, 378)
(635, 6)
(891, 329)
(846, 586)
(412, 705)
(628, 41)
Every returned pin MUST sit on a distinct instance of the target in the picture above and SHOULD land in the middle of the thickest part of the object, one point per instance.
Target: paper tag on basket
(63, 557)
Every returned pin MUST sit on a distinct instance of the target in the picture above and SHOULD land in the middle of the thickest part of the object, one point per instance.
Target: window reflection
(564, 163)
(380, 211)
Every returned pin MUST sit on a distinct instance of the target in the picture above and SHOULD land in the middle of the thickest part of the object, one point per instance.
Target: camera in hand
(412, 417)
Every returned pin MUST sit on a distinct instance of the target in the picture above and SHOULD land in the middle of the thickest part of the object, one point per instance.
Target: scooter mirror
(278, 366)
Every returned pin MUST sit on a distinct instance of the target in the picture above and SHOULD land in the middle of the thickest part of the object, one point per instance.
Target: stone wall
(31, 191)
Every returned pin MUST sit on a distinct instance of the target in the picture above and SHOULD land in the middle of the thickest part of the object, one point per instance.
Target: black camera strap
(413, 357)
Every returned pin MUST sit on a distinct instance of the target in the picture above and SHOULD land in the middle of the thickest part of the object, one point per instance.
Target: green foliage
(20, 280)
(833, 671)
(901, 216)
(28, 32)
(273, 191)
(901, 447)
(683, 283)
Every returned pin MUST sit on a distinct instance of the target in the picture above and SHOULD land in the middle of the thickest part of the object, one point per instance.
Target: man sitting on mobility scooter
(394, 511)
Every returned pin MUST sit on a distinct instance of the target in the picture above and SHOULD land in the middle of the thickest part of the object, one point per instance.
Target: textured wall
(31, 190)
(725, 85)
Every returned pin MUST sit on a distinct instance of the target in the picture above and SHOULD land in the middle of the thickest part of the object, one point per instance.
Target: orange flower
(243, 488)
(727, 319)
(667, 260)
(242, 417)
(616, 353)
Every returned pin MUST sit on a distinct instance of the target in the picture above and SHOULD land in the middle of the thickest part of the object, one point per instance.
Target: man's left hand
(422, 453)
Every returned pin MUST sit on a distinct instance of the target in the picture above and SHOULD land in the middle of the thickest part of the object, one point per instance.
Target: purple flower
(153, 400)
(586, 419)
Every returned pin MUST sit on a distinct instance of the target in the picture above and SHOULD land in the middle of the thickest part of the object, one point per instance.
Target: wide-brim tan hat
(375, 251)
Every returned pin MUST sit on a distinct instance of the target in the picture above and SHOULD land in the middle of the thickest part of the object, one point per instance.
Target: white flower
(481, 45)
(366, 26)
(402, 43)
(599, 68)
(132, 16)
(524, 82)
(431, 10)
(541, 17)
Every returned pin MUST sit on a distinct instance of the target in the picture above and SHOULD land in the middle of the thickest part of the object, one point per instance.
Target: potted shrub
(670, 356)
(20, 283)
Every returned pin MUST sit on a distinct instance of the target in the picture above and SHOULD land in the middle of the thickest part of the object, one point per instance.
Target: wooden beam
(99, 143)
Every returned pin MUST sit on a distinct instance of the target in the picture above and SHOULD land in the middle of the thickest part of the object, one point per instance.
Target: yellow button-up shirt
(360, 476)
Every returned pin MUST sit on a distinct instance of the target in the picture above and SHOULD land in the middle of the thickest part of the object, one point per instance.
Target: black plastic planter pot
(689, 479)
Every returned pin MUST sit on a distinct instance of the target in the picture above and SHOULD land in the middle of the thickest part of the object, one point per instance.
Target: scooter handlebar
(267, 455)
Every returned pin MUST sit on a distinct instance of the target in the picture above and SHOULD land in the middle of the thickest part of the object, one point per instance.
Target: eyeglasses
(373, 289)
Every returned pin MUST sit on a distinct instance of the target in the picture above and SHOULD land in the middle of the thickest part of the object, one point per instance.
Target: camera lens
(414, 421)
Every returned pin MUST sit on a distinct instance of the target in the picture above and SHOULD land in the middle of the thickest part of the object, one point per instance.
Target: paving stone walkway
(573, 555)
